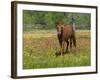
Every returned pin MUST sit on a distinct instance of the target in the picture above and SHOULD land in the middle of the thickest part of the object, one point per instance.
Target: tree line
(46, 20)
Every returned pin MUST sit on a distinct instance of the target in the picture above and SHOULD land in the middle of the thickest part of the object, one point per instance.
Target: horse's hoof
(62, 54)
(57, 53)
(66, 52)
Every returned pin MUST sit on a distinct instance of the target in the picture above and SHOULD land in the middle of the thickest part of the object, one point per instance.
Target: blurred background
(46, 20)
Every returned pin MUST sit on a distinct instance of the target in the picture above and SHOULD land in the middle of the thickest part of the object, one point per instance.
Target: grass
(40, 47)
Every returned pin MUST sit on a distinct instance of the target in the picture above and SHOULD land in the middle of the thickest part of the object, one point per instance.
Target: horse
(65, 34)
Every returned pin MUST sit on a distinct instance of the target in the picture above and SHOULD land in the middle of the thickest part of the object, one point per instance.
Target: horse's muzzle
(58, 33)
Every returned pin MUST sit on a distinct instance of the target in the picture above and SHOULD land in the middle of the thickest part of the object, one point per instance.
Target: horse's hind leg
(67, 46)
(70, 43)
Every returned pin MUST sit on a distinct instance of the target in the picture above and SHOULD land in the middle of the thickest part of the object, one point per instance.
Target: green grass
(41, 46)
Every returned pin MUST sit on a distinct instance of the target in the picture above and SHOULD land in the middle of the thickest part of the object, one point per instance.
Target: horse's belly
(67, 35)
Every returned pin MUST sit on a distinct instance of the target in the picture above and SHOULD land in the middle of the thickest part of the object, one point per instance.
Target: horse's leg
(67, 46)
(70, 43)
(62, 48)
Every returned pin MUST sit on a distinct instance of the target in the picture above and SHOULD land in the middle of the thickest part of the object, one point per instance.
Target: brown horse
(65, 34)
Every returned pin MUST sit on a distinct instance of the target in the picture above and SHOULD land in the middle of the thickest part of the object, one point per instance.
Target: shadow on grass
(59, 53)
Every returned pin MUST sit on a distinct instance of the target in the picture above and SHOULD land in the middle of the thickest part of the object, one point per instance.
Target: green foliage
(47, 20)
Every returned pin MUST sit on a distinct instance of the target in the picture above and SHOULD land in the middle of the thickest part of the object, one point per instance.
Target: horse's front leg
(62, 48)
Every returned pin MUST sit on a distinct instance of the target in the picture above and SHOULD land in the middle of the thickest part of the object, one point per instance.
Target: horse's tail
(74, 41)
(73, 38)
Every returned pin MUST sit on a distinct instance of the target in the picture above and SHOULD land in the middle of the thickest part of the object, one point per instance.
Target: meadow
(40, 48)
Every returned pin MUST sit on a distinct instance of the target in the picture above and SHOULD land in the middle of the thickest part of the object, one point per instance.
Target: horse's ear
(56, 23)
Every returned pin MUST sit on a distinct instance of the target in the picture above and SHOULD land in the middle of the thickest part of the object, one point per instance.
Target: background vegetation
(47, 20)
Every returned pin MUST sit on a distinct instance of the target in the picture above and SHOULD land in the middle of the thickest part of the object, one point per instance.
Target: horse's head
(59, 26)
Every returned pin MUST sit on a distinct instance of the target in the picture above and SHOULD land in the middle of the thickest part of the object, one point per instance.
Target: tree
(47, 20)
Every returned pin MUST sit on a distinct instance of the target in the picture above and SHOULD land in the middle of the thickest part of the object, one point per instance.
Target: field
(40, 48)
